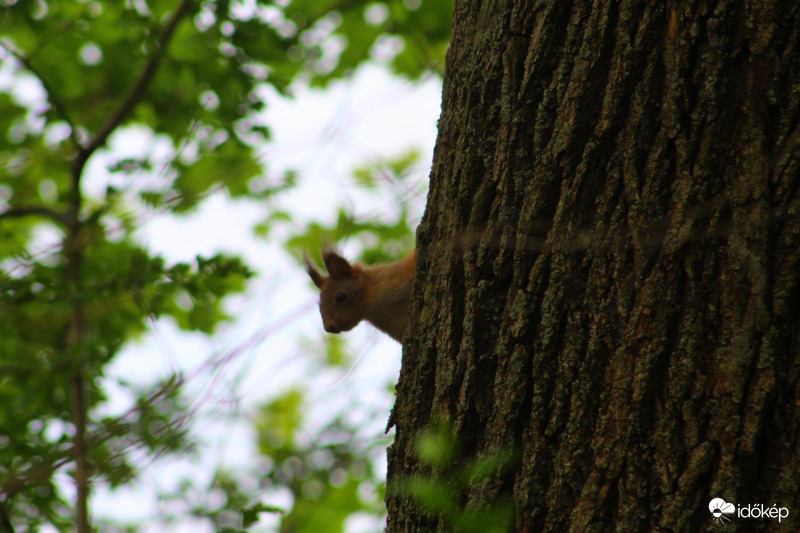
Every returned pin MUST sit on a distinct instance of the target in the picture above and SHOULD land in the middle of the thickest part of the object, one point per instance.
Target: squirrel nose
(330, 328)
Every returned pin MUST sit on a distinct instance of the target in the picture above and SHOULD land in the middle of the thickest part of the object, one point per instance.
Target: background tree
(605, 330)
(77, 287)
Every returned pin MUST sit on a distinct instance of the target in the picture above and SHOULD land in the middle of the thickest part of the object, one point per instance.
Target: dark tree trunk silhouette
(607, 273)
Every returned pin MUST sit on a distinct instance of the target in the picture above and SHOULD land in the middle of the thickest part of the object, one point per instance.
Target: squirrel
(379, 294)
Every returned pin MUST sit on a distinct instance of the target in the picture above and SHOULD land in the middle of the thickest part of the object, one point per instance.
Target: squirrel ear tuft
(337, 266)
(316, 276)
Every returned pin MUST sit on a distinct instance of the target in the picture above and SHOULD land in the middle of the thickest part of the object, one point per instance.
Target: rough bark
(607, 282)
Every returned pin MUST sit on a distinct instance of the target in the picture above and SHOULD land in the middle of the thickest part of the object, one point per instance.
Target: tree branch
(5, 518)
(52, 97)
(18, 212)
(80, 444)
(134, 94)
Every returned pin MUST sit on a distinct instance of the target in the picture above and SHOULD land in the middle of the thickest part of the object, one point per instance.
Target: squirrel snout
(330, 328)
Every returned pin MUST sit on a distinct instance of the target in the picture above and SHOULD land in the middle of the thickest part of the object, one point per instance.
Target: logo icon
(719, 508)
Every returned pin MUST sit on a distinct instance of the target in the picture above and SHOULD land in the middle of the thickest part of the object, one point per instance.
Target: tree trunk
(606, 318)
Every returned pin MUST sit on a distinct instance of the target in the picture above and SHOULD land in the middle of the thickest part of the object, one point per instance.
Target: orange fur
(379, 294)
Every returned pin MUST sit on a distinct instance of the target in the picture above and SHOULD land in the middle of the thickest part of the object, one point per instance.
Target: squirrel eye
(340, 297)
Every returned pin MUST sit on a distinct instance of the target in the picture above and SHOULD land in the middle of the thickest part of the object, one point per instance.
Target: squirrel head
(342, 300)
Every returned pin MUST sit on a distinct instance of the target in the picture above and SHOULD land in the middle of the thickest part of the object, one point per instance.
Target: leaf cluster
(409, 35)
(327, 477)
(326, 474)
(123, 290)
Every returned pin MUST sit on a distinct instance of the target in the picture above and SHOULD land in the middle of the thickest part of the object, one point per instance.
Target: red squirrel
(379, 294)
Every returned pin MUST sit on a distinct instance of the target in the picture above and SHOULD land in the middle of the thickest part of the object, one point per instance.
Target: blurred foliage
(332, 35)
(75, 287)
(439, 489)
(330, 475)
(383, 239)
